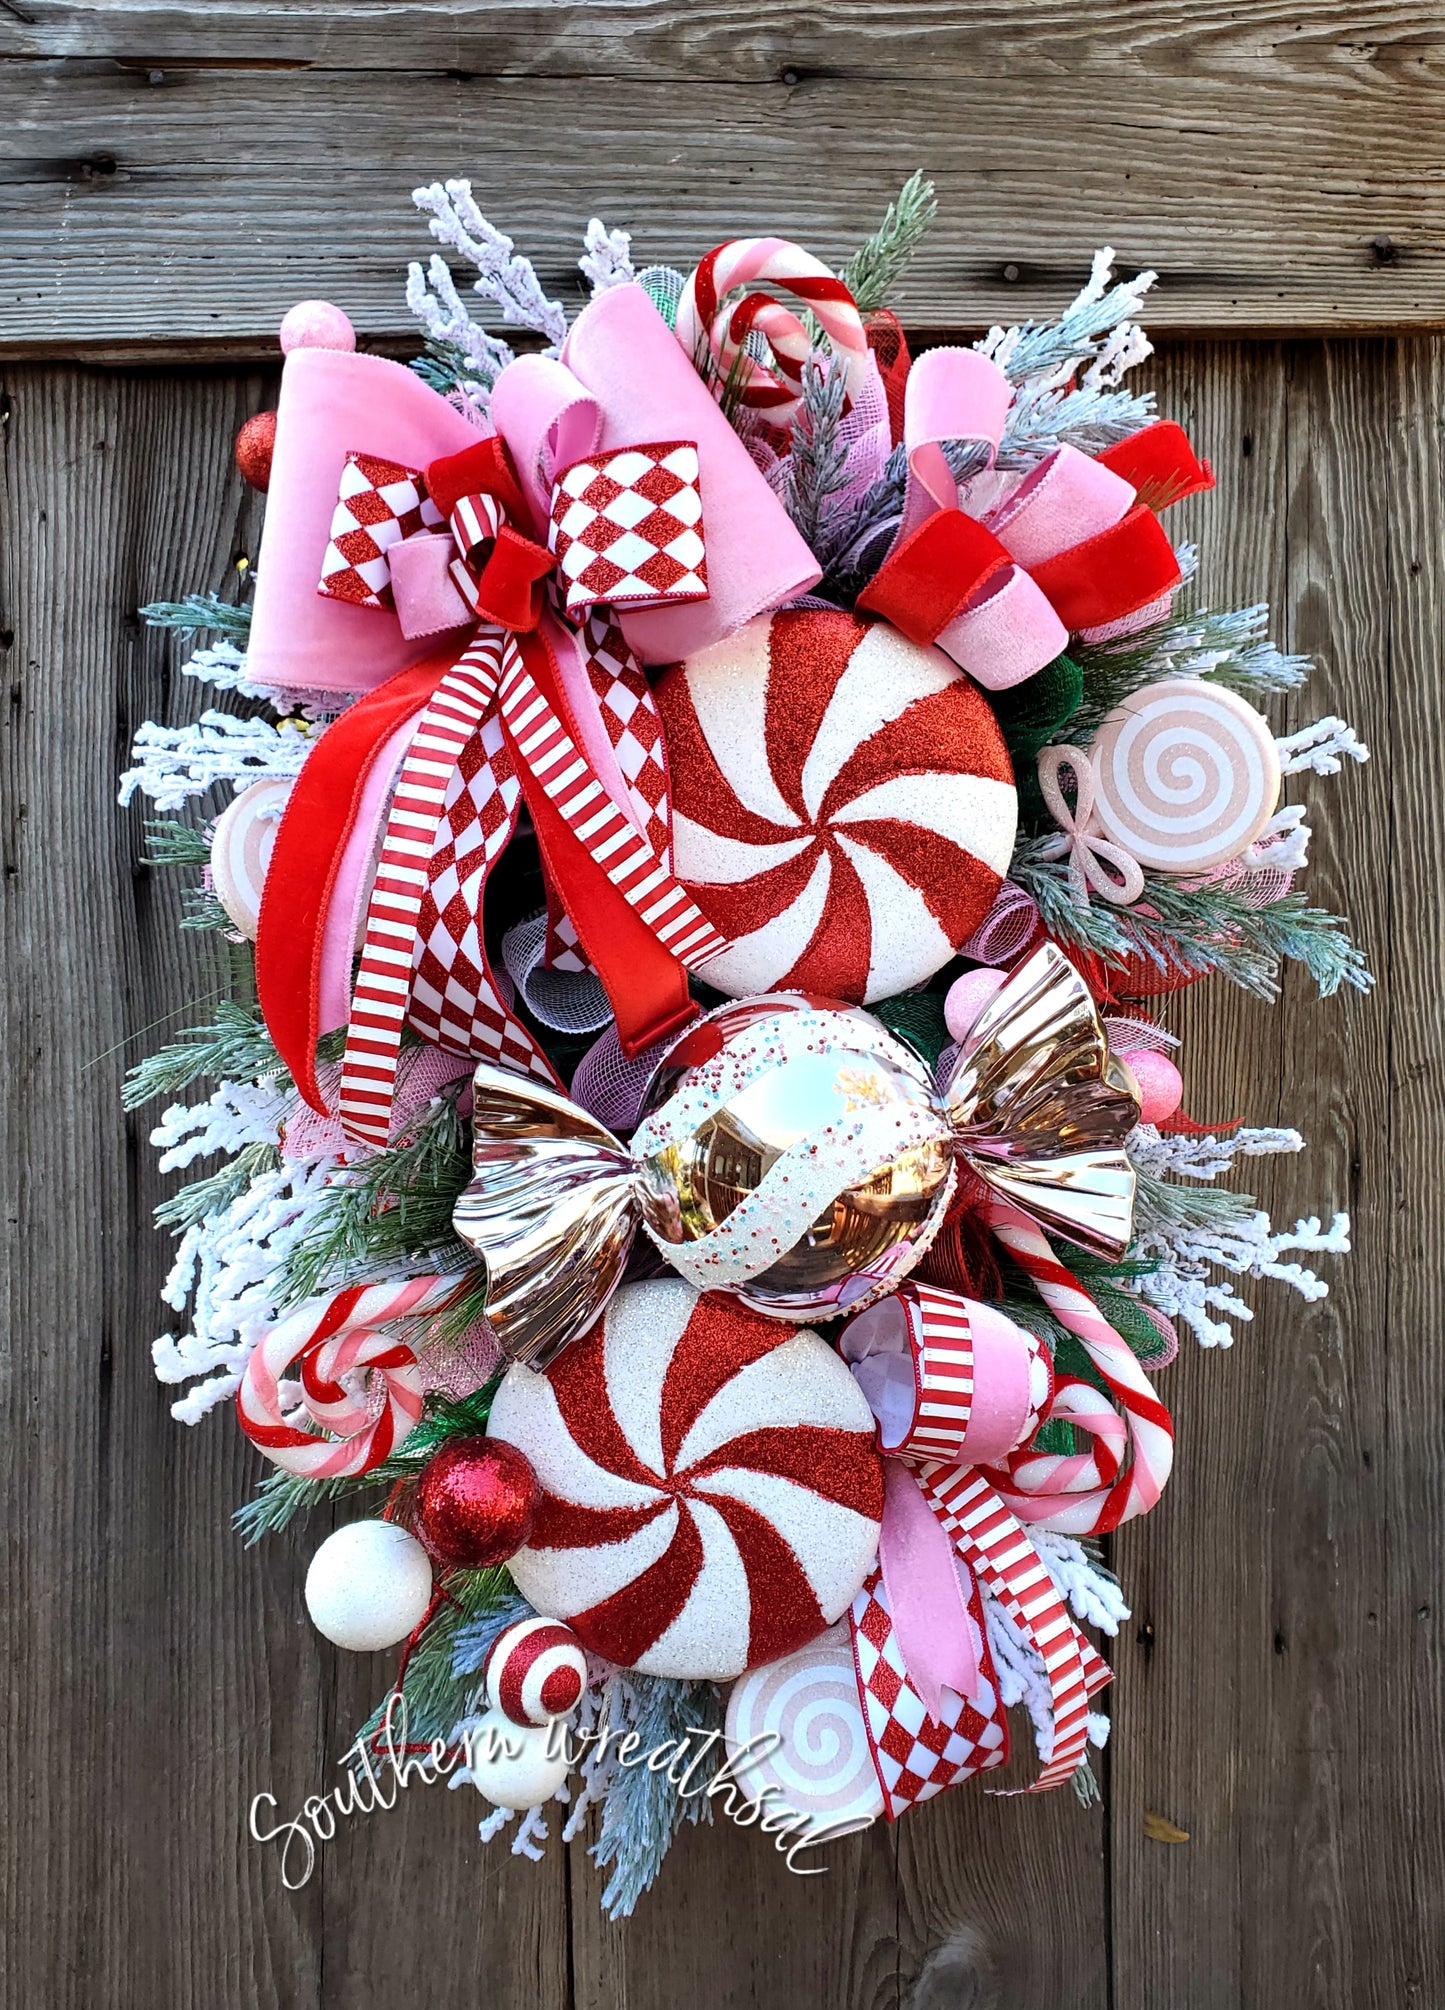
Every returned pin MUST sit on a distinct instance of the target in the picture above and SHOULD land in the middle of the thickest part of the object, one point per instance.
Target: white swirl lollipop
(241, 847)
(822, 1766)
(1187, 775)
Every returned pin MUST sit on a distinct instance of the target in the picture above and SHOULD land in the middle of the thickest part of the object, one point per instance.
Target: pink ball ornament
(967, 996)
(316, 324)
(1161, 1086)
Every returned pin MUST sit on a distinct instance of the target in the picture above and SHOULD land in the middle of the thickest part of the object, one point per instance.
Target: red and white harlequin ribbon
(933, 1441)
(323, 1341)
(490, 686)
(1085, 1494)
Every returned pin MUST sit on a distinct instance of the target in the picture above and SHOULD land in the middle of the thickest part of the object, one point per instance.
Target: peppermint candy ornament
(843, 804)
(241, 846)
(806, 1707)
(534, 1671)
(1186, 775)
(711, 1494)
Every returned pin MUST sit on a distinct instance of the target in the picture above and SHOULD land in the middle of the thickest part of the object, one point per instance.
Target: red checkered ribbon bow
(498, 720)
(953, 1383)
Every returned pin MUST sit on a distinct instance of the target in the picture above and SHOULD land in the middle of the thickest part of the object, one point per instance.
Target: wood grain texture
(203, 169)
(1279, 1692)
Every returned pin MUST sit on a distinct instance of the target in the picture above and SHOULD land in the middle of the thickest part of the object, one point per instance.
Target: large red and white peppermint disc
(843, 804)
(711, 1493)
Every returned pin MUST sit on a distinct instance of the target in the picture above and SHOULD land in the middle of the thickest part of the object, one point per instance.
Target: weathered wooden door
(173, 176)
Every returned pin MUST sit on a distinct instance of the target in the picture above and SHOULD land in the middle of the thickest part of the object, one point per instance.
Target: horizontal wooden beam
(172, 178)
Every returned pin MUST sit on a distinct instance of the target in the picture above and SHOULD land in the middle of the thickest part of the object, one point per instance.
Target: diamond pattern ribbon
(626, 528)
(378, 503)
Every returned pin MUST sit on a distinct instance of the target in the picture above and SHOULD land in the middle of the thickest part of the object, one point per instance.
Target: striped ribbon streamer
(1073, 1493)
(941, 1342)
(382, 995)
(567, 777)
(323, 1340)
(992, 1543)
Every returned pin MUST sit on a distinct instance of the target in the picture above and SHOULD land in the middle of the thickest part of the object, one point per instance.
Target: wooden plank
(155, 1677)
(1280, 1693)
(1278, 180)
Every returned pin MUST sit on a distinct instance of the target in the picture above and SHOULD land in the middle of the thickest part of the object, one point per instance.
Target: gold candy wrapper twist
(794, 1152)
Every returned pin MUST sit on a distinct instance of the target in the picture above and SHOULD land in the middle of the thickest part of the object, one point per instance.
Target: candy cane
(705, 323)
(325, 1339)
(1085, 1494)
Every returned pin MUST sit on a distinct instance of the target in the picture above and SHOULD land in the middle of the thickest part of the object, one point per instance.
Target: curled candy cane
(1094, 861)
(322, 1341)
(1085, 1494)
(707, 325)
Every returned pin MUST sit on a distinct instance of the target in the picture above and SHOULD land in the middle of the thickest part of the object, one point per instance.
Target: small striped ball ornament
(843, 804)
(536, 1670)
(711, 1489)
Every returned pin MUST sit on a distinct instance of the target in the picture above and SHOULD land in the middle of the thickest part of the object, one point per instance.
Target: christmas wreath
(719, 809)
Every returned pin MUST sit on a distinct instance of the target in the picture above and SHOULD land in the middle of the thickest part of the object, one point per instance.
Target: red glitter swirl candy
(708, 327)
(843, 804)
(711, 1492)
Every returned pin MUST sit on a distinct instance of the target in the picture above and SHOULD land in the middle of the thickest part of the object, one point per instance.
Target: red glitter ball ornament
(255, 444)
(476, 1503)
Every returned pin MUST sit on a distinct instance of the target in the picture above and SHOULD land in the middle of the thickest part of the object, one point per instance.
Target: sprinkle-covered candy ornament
(843, 804)
(711, 1493)
(369, 1586)
(535, 1670)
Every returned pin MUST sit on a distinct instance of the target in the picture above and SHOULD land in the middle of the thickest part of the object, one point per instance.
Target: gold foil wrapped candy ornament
(793, 1152)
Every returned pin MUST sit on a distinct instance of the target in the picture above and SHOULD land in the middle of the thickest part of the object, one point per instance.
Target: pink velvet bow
(622, 378)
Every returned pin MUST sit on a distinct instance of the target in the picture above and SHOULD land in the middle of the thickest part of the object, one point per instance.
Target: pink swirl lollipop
(706, 324)
(802, 1718)
(241, 851)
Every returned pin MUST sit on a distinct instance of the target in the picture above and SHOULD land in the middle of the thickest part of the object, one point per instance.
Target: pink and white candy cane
(1124, 1475)
(320, 1342)
(706, 323)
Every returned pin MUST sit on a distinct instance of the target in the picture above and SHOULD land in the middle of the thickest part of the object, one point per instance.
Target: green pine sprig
(200, 613)
(878, 265)
(235, 1047)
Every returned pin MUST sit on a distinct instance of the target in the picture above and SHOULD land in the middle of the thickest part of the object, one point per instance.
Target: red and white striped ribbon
(570, 782)
(1085, 1494)
(999, 1550)
(379, 1005)
(324, 1340)
(941, 1343)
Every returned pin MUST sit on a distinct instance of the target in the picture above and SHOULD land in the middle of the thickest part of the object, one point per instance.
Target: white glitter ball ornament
(368, 1586)
(511, 1765)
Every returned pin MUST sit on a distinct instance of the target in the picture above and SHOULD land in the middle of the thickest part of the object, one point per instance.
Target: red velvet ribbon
(1159, 464)
(933, 574)
(509, 580)
(1114, 574)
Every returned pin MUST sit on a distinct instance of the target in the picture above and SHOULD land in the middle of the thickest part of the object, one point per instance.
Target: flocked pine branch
(173, 763)
(1095, 334)
(818, 463)
(1228, 645)
(235, 1047)
(200, 613)
(878, 265)
(1198, 929)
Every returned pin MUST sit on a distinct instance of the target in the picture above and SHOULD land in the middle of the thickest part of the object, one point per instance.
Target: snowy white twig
(176, 762)
(1322, 747)
(505, 278)
(607, 260)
